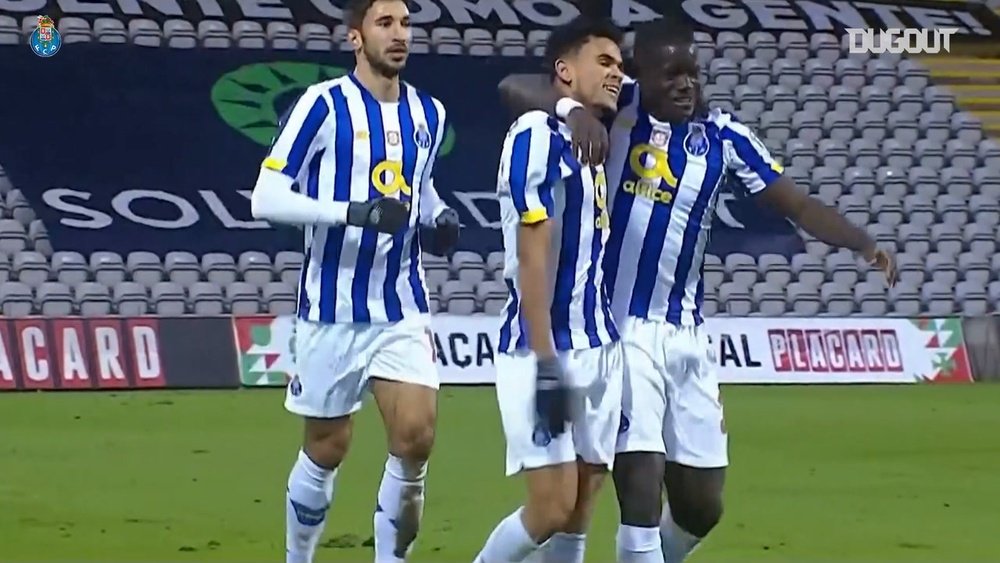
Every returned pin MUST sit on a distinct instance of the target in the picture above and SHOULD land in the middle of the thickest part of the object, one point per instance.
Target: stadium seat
(283, 36)
(74, 30)
(130, 298)
(249, 35)
(182, 268)
(180, 34)
(242, 298)
(511, 42)
(479, 42)
(287, 266)
(70, 267)
(54, 299)
(144, 267)
(255, 267)
(168, 299)
(144, 33)
(205, 298)
(446, 41)
(214, 34)
(280, 298)
(219, 268)
(16, 299)
(30, 268)
(110, 30)
(10, 34)
(317, 37)
(93, 299)
(107, 268)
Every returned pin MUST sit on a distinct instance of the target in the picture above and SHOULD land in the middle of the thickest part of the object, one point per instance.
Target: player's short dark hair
(569, 37)
(652, 37)
(356, 10)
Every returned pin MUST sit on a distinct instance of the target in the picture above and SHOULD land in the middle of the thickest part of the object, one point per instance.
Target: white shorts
(595, 375)
(671, 400)
(334, 362)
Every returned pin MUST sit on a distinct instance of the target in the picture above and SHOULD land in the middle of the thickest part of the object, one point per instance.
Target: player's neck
(382, 88)
(566, 92)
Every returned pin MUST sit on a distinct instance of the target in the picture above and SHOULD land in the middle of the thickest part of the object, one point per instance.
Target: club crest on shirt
(660, 137)
(392, 137)
(696, 142)
(422, 137)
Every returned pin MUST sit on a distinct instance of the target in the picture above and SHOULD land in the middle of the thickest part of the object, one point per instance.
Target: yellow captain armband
(275, 164)
(532, 216)
(777, 167)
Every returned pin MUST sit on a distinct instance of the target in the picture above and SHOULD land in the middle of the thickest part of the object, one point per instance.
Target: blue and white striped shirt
(341, 144)
(666, 179)
(540, 179)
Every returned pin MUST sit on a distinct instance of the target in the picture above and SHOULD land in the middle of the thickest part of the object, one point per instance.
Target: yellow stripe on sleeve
(533, 216)
(275, 164)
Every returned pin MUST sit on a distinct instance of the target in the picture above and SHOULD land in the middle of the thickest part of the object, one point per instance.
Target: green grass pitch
(819, 473)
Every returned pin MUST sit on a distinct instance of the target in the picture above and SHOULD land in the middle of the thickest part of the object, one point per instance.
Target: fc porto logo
(422, 137)
(541, 436)
(295, 386)
(45, 41)
(696, 142)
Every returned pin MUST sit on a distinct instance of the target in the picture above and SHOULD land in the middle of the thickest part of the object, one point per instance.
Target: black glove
(385, 215)
(551, 400)
(442, 238)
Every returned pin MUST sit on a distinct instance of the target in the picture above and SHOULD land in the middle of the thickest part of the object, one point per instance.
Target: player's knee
(413, 442)
(700, 516)
(327, 444)
(556, 511)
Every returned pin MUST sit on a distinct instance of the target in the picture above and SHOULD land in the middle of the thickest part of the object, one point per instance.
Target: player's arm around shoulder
(764, 178)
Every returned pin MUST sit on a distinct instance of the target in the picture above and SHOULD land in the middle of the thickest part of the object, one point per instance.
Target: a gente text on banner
(972, 19)
(747, 350)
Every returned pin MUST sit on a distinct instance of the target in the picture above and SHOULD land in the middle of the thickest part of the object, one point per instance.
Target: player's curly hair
(568, 38)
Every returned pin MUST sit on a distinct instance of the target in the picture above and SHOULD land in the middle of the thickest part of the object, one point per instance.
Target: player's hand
(590, 137)
(385, 215)
(551, 397)
(884, 261)
(444, 236)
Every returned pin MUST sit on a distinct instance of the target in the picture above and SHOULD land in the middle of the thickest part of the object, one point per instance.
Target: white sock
(677, 542)
(562, 548)
(310, 492)
(509, 542)
(400, 506)
(639, 545)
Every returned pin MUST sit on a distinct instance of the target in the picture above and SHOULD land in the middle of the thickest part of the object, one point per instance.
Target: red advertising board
(81, 353)
(95, 353)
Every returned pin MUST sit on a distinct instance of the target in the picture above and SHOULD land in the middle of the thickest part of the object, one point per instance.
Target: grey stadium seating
(872, 136)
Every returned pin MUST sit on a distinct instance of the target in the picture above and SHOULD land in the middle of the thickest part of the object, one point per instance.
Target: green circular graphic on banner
(246, 98)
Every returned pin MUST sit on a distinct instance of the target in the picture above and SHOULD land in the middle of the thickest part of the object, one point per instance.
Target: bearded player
(668, 157)
(353, 166)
